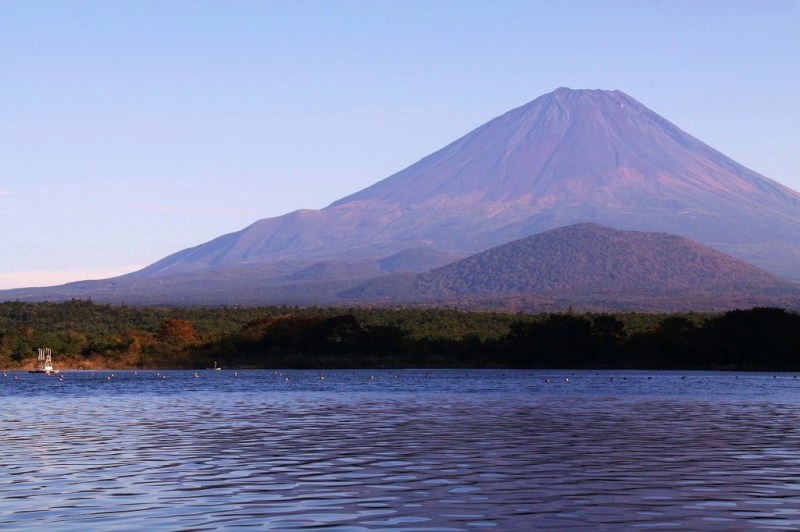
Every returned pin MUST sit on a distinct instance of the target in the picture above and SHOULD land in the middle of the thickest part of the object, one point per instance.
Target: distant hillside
(586, 262)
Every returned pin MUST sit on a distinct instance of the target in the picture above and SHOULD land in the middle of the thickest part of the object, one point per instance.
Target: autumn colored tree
(176, 330)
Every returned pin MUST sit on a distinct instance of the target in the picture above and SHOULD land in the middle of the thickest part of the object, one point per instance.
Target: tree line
(84, 335)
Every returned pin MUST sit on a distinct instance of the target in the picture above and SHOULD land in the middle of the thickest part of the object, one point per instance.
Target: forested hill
(83, 335)
(589, 263)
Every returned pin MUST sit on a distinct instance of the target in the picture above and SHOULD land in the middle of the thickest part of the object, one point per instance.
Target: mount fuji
(568, 157)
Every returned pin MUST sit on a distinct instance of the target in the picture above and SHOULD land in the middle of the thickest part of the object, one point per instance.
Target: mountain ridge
(567, 157)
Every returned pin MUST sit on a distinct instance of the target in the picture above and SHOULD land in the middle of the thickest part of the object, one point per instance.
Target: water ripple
(279, 459)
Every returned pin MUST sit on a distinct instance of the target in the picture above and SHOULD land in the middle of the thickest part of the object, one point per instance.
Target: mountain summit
(570, 156)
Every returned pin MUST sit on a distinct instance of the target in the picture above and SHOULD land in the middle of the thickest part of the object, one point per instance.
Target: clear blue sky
(133, 129)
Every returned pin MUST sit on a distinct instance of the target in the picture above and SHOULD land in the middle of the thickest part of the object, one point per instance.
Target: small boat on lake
(45, 361)
(217, 368)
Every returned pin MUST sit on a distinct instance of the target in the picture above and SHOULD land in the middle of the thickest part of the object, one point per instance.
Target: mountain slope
(582, 262)
(567, 157)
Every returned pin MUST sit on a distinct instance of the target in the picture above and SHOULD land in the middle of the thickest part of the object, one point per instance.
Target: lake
(400, 450)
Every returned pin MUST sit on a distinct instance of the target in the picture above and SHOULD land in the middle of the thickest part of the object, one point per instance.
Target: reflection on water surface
(400, 450)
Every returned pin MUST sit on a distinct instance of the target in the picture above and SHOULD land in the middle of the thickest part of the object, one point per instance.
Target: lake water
(401, 450)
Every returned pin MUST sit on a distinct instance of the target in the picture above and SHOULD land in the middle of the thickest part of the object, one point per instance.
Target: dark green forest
(84, 335)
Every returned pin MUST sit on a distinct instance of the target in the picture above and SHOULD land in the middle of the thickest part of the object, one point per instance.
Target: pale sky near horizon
(132, 129)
